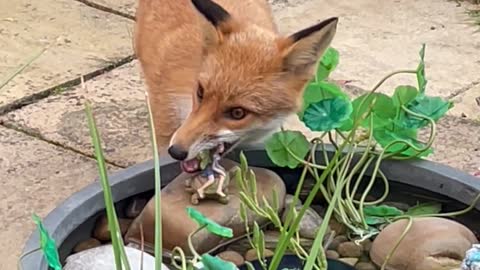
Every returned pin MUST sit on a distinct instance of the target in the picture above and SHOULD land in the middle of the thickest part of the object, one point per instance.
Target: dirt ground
(45, 151)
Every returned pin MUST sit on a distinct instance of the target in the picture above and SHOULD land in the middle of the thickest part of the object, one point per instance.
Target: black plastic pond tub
(410, 181)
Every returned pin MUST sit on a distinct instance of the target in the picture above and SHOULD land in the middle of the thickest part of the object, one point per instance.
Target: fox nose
(177, 152)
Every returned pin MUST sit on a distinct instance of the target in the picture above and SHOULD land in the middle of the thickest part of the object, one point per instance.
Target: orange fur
(240, 63)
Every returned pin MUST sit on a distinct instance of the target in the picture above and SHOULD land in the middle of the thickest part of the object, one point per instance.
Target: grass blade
(19, 70)
(114, 228)
(158, 186)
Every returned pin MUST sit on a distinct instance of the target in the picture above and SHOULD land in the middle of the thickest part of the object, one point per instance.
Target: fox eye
(237, 113)
(200, 92)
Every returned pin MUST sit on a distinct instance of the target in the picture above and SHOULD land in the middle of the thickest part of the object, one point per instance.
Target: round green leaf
(432, 107)
(327, 114)
(382, 109)
(403, 95)
(278, 144)
(316, 91)
(328, 63)
(391, 133)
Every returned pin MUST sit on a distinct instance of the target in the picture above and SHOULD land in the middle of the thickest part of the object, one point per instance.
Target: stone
(251, 254)
(350, 249)
(118, 104)
(271, 241)
(365, 266)
(232, 256)
(86, 244)
(367, 245)
(431, 243)
(102, 232)
(135, 207)
(81, 40)
(176, 224)
(349, 261)
(35, 177)
(309, 224)
(289, 200)
(337, 241)
(336, 226)
(102, 258)
(332, 254)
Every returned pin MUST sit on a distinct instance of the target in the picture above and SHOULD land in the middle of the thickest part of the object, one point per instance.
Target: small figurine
(212, 182)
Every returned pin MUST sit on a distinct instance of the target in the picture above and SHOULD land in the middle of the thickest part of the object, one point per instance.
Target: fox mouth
(193, 165)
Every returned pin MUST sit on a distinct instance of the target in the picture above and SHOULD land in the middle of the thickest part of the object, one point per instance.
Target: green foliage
(210, 225)
(403, 95)
(327, 114)
(422, 81)
(328, 63)
(395, 139)
(121, 260)
(48, 246)
(430, 107)
(285, 148)
(215, 263)
(382, 211)
(429, 208)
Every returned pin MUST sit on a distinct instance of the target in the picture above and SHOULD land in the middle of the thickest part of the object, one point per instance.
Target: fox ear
(302, 50)
(216, 15)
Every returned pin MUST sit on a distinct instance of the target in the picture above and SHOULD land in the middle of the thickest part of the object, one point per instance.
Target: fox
(218, 71)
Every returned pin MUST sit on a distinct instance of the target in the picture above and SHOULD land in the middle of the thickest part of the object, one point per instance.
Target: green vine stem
(196, 256)
(402, 236)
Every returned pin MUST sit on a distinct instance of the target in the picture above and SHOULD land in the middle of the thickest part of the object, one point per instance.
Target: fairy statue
(212, 182)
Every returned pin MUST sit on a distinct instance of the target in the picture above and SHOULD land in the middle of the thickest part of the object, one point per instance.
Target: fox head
(250, 81)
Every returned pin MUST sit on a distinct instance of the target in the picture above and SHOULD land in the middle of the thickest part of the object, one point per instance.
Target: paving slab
(467, 104)
(81, 39)
(118, 102)
(375, 38)
(34, 177)
(125, 6)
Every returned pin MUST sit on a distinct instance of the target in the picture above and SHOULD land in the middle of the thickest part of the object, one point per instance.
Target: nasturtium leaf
(391, 133)
(327, 114)
(47, 245)
(280, 143)
(430, 208)
(432, 107)
(403, 95)
(316, 91)
(211, 225)
(328, 63)
(372, 220)
(382, 211)
(422, 81)
(382, 110)
(215, 263)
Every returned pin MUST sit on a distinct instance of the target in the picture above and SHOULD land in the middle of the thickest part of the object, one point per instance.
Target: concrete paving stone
(34, 177)
(457, 143)
(125, 6)
(81, 39)
(375, 38)
(118, 102)
(467, 104)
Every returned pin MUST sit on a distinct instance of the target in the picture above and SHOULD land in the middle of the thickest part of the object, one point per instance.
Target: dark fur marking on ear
(312, 29)
(212, 11)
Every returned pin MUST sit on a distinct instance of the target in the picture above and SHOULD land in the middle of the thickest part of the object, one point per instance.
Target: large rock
(101, 258)
(431, 243)
(176, 225)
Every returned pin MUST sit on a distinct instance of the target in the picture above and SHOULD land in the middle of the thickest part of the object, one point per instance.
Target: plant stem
(196, 256)
(391, 75)
(402, 236)
(158, 192)
(21, 68)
